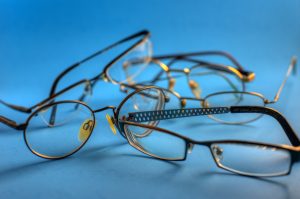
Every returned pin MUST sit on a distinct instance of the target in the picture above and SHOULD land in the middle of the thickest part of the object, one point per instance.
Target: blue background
(40, 38)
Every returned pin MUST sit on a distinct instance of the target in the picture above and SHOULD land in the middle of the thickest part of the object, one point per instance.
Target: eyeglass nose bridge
(109, 119)
(105, 108)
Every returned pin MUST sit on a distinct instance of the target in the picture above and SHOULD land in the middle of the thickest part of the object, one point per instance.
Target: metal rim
(49, 105)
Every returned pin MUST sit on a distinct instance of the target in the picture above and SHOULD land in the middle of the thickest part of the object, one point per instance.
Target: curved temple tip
(250, 77)
(16, 107)
(294, 64)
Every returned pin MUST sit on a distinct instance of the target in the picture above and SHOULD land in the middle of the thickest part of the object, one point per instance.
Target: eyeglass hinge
(104, 77)
(21, 127)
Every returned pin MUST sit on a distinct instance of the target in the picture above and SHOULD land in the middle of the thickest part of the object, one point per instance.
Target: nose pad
(190, 148)
(218, 152)
(111, 123)
(183, 103)
(85, 130)
(205, 104)
(172, 83)
(195, 88)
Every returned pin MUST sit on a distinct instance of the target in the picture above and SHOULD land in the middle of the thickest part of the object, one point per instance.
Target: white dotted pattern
(148, 116)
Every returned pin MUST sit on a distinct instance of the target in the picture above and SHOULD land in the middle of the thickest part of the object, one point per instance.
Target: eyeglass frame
(294, 150)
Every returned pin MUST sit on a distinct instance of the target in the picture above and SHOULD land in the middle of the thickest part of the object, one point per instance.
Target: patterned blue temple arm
(148, 116)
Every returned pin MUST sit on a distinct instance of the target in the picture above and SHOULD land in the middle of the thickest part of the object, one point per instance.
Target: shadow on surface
(16, 171)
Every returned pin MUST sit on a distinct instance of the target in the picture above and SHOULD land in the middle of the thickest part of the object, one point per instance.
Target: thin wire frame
(189, 144)
(165, 114)
(104, 75)
(51, 105)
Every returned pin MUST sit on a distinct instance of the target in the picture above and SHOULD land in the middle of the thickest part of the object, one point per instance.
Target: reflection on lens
(132, 65)
(251, 159)
(145, 100)
(234, 99)
(151, 99)
(62, 135)
(203, 81)
(156, 143)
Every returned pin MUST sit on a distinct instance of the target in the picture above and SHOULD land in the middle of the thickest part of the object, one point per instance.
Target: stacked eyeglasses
(58, 128)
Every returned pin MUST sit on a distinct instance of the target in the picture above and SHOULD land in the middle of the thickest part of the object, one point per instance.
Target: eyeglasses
(120, 56)
(75, 122)
(233, 97)
(240, 157)
(226, 99)
(64, 133)
(225, 85)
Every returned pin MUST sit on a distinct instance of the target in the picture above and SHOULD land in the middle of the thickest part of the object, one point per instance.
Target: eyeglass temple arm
(166, 69)
(29, 110)
(87, 89)
(291, 68)
(14, 125)
(75, 65)
(292, 136)
(202, 53)
(16, 107)
(183, 56)
(243, 75)
(11, 123)
(148, 116)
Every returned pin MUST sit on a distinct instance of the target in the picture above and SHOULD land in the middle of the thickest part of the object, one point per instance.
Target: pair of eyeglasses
(140, 125)
(234, 96)
(61, 135)
(118, 55)
(229, 98)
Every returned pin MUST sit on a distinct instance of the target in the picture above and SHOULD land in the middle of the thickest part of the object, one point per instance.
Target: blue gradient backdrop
(40, 38)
